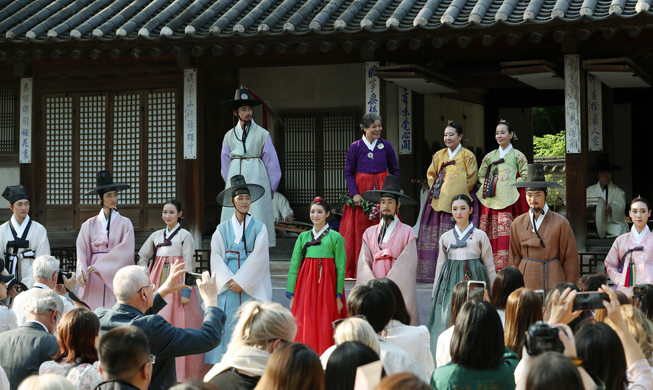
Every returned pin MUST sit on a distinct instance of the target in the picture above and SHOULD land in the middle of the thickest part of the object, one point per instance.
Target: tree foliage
(550, 145)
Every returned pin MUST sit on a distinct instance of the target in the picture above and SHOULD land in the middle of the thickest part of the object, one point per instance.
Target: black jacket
(115, 384)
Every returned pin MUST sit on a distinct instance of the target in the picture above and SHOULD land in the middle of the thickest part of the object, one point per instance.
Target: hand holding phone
(475, 289)
(190, 279)
(590, 300)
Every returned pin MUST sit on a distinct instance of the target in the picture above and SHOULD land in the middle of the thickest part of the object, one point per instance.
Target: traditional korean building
(135, 85)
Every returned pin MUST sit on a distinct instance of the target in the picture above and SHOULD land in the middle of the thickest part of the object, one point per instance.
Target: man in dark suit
(125, 360)
(136, 299)
(26, 347)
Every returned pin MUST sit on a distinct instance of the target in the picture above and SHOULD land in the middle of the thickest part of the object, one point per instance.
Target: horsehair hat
(243, 97)
(535, 178)
(14, 193)
(105, 182)
(391, 185)
(603, 164)
(238, 182)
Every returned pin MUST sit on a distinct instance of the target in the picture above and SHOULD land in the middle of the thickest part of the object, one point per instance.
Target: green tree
(550, 145)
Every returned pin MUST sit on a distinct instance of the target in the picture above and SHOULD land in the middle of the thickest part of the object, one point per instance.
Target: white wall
(439, 110)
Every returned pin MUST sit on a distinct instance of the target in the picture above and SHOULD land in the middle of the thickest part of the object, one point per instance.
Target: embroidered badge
(370, 155)
(381, 145)
(244, 96)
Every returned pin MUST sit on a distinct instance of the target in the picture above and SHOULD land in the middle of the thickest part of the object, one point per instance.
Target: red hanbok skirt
(496, 224)
(314, 305)
(355, 222)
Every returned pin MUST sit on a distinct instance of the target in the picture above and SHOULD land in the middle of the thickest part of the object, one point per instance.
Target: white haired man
(138, 304)
(26, 347)
(46, 273)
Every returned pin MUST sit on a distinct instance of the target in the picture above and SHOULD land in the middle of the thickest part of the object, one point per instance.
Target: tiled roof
(63, 20)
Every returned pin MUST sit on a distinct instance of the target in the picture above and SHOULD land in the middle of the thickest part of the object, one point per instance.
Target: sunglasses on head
(339, 321)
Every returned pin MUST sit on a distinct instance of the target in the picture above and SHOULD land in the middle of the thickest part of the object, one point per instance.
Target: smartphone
(475, 289)
(590, 300)
(540, 293)
(191, 277)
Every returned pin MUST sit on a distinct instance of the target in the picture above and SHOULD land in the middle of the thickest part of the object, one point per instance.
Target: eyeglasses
(339, 321)
(152, 358)
(141, 289)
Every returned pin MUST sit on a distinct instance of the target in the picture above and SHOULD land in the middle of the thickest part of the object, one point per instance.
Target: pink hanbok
(167, 246)
(628, 247)
(395, 258)
(107, 253)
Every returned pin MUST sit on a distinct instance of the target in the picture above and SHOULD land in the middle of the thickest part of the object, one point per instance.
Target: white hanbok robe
(615, 224)
(38, 243)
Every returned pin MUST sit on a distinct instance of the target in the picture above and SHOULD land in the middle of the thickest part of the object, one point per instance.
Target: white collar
(453, 154)
(462, 234)
(44, 327)
(503, 152)
(239, 130)
(169, 232)
(389, 229)
(317, 234)
(19, 228)
(238, 227)
(369, 145)
(539, 220)
(103, 218)
(639, 237)
(598, 184)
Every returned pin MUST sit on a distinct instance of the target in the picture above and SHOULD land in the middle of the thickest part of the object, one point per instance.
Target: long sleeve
(83, 250)
(472, 171)
(187, 251)
(612, 263)
(120, 255)
(225, 161)
(222, 272)
(294, 266)
(618, 205)
(486, 256)
(640, 376)
(350, 169)
(393, 164)
(515, 246)
(271, 162)
(442, 257)
(522, 164)
(365, 263)
(340, 260)
(42, 245)
(254, 274)
(483, 169)
(146, 251)
(570, 264)
(432, 172)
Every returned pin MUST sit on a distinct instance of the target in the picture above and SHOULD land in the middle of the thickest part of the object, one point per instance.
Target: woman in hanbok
(453, 171)
(105, 244)
(369, 161)
(240, 257)
(501, 203)
(629, 261)
(465, 254)
(316, 280)
(164, 247)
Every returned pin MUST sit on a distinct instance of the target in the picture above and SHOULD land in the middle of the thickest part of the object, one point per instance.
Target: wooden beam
(115, 53)
(438, 42)
(326, 46)
(348, 46)
(20, 55)
(304, 47)
(464, 41)
(560, 36)
(183, 61)
(239, 50)
(3, 55)
(56, 54)
(371, 45)
(96, 53)
(177, 52)
(608, 33)
(197, 51)
(367, 55)
(76, 54)
(156, 52)
(394, 44)
(487, 40)
(218, 50)
(38, 54)
(536, 37)
(260, 49)
(19, 69)
(634, 31)
(416, 43)
(513, 38)
(584, 34)
(281, 48)
(136, 53)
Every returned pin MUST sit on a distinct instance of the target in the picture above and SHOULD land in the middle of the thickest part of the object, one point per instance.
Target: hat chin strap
(108, 219)
(245, 214)
(245, 129)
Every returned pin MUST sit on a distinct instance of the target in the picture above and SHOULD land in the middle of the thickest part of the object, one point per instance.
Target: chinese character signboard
(372, 88)
(190, 114)
(405, 121)
(25, 138)
(594, 114)
(572, 103)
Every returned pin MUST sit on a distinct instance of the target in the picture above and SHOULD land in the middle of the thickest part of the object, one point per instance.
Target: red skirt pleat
(496, 224)
(314, 306)
(355, 222)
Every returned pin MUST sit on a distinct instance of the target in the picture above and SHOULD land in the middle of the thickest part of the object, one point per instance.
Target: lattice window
(338, 132)
(7, 120)
(59, 150)
(126, 145)
(300, 161)
(92, 143)
(161, 150)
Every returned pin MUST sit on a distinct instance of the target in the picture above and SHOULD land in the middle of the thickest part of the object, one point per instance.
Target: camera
(639, 295)
(191, 277)
(541, 338)
(590, 300)
(63, 273)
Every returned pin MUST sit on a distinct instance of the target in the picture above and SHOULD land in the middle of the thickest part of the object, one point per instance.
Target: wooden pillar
(409, 167)
(576, 158)
(192, 173)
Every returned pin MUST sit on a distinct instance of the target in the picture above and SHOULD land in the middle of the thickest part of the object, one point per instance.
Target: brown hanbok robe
(558, 262)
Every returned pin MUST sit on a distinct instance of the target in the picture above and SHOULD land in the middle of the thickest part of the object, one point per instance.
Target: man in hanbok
(610, 200)
(239, 257)
(389, 249)
(247, 150)
(21, 240)
(542, 244)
